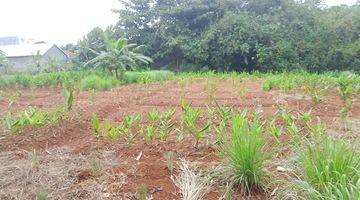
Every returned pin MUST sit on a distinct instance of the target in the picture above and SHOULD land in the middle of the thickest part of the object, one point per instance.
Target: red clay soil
(151, 169)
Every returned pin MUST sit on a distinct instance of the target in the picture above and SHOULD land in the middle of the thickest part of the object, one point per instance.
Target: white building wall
(22, 63)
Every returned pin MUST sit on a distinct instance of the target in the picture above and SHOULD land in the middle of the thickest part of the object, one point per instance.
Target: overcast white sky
(63, 21)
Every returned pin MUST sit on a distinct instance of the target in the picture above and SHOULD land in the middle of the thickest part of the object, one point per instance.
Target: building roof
(25, 49)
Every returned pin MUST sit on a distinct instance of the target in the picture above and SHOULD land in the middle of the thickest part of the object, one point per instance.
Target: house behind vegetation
(28, 55)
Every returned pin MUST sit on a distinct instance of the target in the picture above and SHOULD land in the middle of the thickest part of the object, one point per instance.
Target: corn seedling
(111, 131)
(274, 130)
(128, 124)
(154, 115)
(287, 85)
(70, 87)
(31, 117)
(223, 113)
(150, 133)
(294, 131)
(347, 94)
(190, 123)
(96, 126)
(285, 114)
(115, 132)
(290, 122)
(166, 124)
(125, 128)
(211, 114)
(69, 98)
(306, 118)
(316, 90)
(244, 155)
(221, 133)
(269, 84)
(345, 85)
(317, 129)
(161, 124)
(10, 122)
(211, 87)
(142, 192)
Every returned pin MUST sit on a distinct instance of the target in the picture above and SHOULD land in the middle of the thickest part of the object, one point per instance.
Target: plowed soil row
(76, 134)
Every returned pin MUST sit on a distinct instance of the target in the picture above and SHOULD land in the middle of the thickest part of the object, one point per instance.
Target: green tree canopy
(247, 35)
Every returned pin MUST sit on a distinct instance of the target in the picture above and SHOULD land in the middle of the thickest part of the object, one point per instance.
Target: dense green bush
(264, 35)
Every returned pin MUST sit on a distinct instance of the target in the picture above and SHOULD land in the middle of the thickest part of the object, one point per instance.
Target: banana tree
(119, 57)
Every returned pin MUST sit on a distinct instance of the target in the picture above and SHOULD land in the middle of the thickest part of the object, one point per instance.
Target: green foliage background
(236, 35)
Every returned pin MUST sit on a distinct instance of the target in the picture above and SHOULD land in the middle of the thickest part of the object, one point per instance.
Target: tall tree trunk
(117, 74)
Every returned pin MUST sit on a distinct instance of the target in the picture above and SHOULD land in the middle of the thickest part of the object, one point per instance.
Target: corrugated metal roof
(25, 49)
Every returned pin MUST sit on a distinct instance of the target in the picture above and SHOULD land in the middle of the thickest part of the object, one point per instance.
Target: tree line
(234, 35)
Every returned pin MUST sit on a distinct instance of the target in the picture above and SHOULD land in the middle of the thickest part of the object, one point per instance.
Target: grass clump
(330, 170)
(192, 185)
(94, 82)
(244, 155)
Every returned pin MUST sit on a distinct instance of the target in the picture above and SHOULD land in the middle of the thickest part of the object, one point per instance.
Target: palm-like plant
(119, 57)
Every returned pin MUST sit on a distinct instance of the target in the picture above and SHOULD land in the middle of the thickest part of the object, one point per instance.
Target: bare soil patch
(68, 153)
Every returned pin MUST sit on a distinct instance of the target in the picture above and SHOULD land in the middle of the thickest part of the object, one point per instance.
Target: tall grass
(244, 155)
(94, 82)
(147, 76)
(24, 80)
(90, 78)
(330, 169)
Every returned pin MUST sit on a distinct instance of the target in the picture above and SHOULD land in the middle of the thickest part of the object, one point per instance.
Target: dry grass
(57, 174)
(193, 186)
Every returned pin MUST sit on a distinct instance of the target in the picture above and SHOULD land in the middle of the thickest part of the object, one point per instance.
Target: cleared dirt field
(72, 164)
